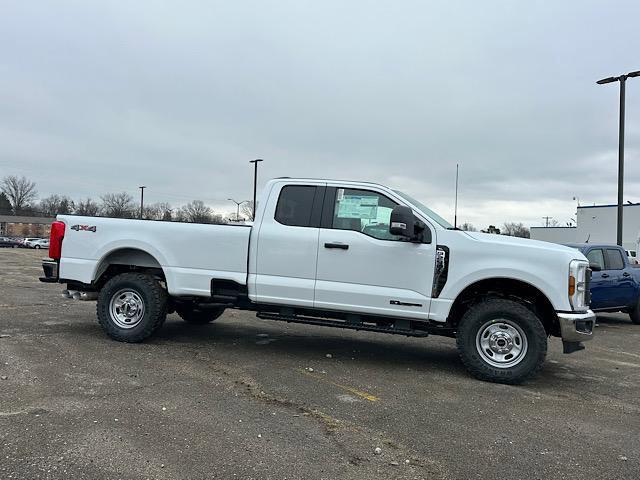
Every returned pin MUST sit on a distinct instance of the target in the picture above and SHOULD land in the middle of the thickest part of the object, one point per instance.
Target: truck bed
(190, 254)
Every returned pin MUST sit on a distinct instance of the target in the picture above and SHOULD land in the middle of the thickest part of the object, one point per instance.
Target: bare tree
(88, 208)
(468, 227)
(21, 192)
(196, 212)
(247, 209)
(157, 211)
(515, 230)
(117, 205)
(56, 204)
(5, 205)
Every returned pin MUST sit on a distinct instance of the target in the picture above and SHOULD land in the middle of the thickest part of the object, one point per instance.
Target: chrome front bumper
(576, 327)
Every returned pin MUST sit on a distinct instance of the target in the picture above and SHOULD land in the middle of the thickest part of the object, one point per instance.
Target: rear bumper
(576, 327)
(50, 268)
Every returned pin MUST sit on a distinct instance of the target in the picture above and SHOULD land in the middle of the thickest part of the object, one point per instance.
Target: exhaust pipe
(77, 295)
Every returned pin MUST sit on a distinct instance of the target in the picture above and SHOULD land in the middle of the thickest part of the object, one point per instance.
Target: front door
(362, 267)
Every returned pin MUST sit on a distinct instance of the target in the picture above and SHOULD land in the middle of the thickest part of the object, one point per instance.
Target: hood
(524, 242)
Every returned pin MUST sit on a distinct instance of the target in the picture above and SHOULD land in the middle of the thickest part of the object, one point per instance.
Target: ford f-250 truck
(335, 253)
(615, 284)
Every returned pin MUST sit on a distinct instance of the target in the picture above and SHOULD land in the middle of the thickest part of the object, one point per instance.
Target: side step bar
(400, 327)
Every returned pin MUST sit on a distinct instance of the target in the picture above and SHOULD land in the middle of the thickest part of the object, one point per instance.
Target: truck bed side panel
(190, 254)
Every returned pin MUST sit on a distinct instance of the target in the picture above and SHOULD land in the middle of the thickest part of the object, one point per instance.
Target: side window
(295, 205)
(596, 256)
(614, 259)
(363, 211)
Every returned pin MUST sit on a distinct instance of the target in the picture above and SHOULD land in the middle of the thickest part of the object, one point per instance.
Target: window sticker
(358, 206)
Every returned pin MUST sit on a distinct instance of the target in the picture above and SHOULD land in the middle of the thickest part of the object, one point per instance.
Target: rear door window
(295, 206)
(614, 259)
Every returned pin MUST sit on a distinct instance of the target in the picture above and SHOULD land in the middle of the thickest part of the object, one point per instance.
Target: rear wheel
(131, 307)
(199, 316)
(501, 341)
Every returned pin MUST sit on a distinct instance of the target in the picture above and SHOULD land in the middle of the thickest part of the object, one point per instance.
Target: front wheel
(131, 307)
(501, 341)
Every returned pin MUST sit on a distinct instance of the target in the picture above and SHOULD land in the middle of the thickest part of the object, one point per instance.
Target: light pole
(237, 207)
(623, 80)
(141, 199)
(455, 210)
(255, 184)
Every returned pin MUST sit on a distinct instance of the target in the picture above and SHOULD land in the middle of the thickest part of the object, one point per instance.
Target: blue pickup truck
(615, 283)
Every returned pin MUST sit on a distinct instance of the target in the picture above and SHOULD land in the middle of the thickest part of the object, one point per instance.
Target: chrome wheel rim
(501, 343)
(126, 308)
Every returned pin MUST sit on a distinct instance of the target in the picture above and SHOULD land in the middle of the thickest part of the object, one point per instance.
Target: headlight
(578, 285)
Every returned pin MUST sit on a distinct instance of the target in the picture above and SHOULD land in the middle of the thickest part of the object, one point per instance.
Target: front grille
(587, 287)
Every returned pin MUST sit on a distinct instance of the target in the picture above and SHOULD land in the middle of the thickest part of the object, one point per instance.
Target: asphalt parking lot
(255, 399)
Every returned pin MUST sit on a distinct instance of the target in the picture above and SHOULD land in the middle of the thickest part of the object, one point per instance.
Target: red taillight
(55, 240)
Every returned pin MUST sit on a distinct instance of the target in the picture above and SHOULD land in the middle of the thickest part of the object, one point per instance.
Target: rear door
(287, 249)
(362, 267)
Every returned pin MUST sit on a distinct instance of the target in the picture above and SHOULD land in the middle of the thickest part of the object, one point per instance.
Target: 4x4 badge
(84, 228)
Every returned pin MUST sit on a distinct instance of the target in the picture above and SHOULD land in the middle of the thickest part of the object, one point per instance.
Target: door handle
(626, 274)
(605, 275)
(342, 246)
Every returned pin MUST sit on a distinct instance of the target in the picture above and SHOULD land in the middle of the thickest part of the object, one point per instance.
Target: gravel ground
(255, 399)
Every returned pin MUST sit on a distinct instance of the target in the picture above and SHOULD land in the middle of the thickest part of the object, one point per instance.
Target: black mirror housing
(595, 267)
(404, 224)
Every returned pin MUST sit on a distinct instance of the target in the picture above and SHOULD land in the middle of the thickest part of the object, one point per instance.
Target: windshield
(425, 210)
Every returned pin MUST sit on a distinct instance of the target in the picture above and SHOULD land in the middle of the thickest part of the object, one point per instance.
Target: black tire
(634, 314)
(37, 247)
(198, 316)
(507, 321)
(150, 295)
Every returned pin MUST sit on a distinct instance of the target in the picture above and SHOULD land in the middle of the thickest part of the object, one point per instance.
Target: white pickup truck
(335, 253)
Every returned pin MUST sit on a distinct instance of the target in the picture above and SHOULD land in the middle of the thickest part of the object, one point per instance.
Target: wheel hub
(501, 343)
(126, 308)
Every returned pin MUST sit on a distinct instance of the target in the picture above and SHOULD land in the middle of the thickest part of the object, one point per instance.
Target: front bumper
(576, 327)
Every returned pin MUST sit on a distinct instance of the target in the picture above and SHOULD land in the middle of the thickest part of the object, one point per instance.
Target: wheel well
(127, 260)
(517, 290)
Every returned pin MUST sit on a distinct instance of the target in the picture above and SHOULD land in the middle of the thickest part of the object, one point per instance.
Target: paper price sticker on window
(358, 206)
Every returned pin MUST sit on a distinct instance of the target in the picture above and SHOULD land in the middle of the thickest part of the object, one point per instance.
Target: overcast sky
(179, 96)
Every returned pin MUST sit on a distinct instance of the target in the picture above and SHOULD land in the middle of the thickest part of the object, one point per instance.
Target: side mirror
(595, 267)
(404, 224)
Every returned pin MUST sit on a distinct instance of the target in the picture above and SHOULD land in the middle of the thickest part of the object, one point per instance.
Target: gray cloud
(97, 98)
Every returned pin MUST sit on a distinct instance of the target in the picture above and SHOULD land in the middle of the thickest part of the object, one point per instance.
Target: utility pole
(546, 219)
(237, 207)
(455, 212)
(623, 80)
(255, 184)
(141, 200)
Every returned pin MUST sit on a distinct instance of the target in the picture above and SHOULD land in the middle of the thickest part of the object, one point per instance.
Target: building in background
(17, 226)
(596, 224)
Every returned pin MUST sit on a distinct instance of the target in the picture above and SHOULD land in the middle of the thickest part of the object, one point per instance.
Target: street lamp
(237, 207)
(623, 80)
(141, 199)
(255, 184)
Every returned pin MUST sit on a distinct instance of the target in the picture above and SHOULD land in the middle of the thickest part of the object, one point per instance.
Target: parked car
(28, 241)
(615, 283)
(41, 243)
(6, 242)
(633, 259)
(314, 255)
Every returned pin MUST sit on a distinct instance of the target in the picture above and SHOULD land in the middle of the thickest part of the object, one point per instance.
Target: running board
(401, 327)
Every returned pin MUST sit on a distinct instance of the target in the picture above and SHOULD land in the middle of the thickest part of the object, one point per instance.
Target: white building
(596, 224)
